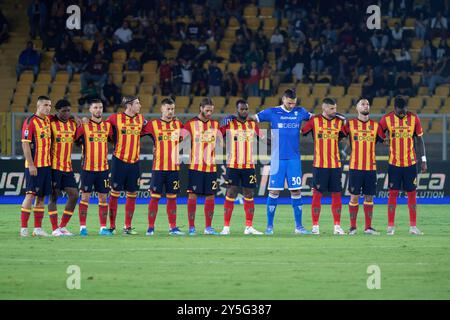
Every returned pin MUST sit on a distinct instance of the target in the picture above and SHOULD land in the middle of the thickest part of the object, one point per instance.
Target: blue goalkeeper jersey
(285, 130)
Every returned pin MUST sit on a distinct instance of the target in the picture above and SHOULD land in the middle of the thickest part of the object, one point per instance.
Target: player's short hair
(290, 94)
(92, 101)
(400, 102)
(359, 100)
(167, 101)
(243, 101)
(42, 98)
(61, 104)
(329, 101)
(128, 99)
(206, 102)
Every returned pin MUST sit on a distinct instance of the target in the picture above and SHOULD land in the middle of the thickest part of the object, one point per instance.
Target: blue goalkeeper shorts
(285, 169)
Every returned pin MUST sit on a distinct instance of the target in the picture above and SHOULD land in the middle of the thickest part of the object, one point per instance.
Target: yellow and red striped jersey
(326, 135)
(363, 137)
(94, 137)
(240, 137)
(166, 138)
(401, 136)
(204, 135)
(63, 137)
(37, 132)
(127, 132)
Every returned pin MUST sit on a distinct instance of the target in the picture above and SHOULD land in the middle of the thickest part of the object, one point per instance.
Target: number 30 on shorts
(296, 181)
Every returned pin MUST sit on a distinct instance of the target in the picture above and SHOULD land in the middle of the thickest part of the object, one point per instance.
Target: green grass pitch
(283, 266)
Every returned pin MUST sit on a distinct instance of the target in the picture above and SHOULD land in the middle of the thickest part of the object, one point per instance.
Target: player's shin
(353, 208)
(113, 200)
(297, 206)
(249, 208)
(53, 215)
(130, 205)
(209, 211)
(192, 207)
(412, 206)
(368, 212)
(316, 207)
(392, 204)
(153, 209)
(24, 216)
(38, 216)
(65, 218)
(336, 207)
(102, 214)
(82, 213)
(272, 201)
(228, 210)
(171, 208)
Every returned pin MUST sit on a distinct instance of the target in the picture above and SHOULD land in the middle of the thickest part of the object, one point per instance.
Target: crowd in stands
(320, 43)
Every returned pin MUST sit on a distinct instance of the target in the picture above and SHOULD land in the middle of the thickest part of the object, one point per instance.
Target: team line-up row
(47, 142)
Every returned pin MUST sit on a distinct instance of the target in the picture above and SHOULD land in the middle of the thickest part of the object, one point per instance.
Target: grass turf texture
(282, 266)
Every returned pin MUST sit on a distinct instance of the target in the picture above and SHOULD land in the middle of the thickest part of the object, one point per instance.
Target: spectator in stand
(186, 78)
(37, 17)
(239, 49)
(284, 68)
(341, 73)
(58, 12)
(152, 51)
(253, 80)
(133, 64)
(112, 94)
(4, 35)
(397, 36)
(253, 56)
(427, 71)
(203, 52)
(78, 58)
(88, 93)
(379, 40)
(51, 37)
(301, 61)
(441, 74)
(387, 60)
(28, 59)
(262, 43)
(329, 33)
(421, 26)
(165, 77)
(61, 61)
(404, 60)
(177, 76)
(404, 84)
(215, 77)
(246, 33)
(427, 51)
(193, 30)
(265, 80)
(439, 26)
(317, 60)
(385, 84)
(368, 84)
(442, 49)
(139, 38)
(199, 80)
(102, 47)
(230, 85)
(277, 42)
(123, 37)
(243, 76)
(187, 51)
(96, 71)
(90, 30)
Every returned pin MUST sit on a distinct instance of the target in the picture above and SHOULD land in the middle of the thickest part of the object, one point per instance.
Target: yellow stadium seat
(170, 54)
(117, 78)
(18, 107)
(23, 88)
(436, 126)
(150, 78)
(175, 44)
(58, 89)
(270, 23)
(337, 91)
(150, 66)
(429, 109)
(87, 44)
(379, 103)
(74, 87)
(285, 86)
(415, 79)
(223, 53)
(44, 78)
(182, 103)
(20, 99)
(228, 109)
(231, 104)
(233, 67)
(319, 90)
(415, 104)
(253, 23)
(416, 43)
(128, 89)
(355, 90)
(136, 54)
(442, 91)
(40, 89)
(146, 101)
(271, 102)
(230, 34)
(433, 103)
(233, 22)
(119, 56)
(116, 67)
(219, 102)
(195, 104)
(308, 102)
(26, 77)
(409, 22)
(250, 11)
(62, 77)
(343, 103)
(146, 88)
(132, 77)
(266, 11)
(303, 90)
(254, 103)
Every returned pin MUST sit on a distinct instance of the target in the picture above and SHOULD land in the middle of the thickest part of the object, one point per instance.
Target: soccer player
(240, 134)
(326, 129)
(93, 137)
(166, 135)
(403, 128)
(36, 143)
(285, 122)
(128, 127)
(63, 136)
(202, 177)
(362, 133)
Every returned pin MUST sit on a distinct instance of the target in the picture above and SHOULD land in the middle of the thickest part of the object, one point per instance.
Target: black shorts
(168, 179)
(63, 179)
(327, 179)
(402, 178)
(362, 182)
(124, 176)
(40, 185)
(241, 177)
(202, 183)
(95, 180)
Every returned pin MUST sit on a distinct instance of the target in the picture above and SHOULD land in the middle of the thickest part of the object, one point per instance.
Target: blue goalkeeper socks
(297, 206)
(271, 207)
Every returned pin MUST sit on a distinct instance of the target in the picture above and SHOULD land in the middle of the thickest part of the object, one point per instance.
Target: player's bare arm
(27, 154)
(421, 150)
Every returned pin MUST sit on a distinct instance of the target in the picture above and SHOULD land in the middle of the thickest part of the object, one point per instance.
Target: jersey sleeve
(79, 133)
(418, 130)
(28, 130)
(186, 130)
(264, 116)
(147, 128)
(308, 127)
(346, 129)
(382, 127)
(112, 119)
(223, 129)
(306, 115)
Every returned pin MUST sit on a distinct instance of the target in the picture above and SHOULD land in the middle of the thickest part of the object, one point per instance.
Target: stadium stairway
(15, 13)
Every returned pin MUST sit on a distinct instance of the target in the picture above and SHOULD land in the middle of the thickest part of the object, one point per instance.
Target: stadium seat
(150, 78)
(270, 23)
(117, 78)
(146, 101)
(175, 44)
(271, 102)
(23, 88)
(44, 78)
(40, 89)
(442, 91)
(18, 107)
(87, 44)
(20, 99)
(219, 103)
(132, 77)
(285, 86)
(379, 103)
(266, 11)
(320, 90)
(233, 67)
(230, 107)
(74, 87)
(355, 90)
(253, 103)
(303, 90)
(146, 88)
(26, 77)
(119, 56)
(433, 103)
(182, 104)
(58, 89)
(415, 104)
(337, 91)
(422, 91)
(436, 126)
(136, 54)
(343, 103)
(150, 66)
(115, 67)
(308, 103)
(250, 11)
(195, 104)
(62, 77)
(416, 43)
(128, 89)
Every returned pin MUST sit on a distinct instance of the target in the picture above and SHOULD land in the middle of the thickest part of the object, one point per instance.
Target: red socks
(315, 206)
(38, 216)
(209, 211)
(153, 209)
(192, 207)
(353, 210)
(249, 208)
(102, 213)
(24, 216)
(113, 199)
(228, 210)
(130, 205)
(171, 208)
(412, 205)
(392, 204)
(65, 218)
(82, 212)
(336, 207)
(53, 219)
(368, 211)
